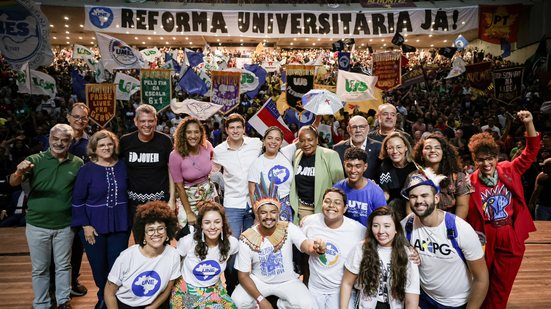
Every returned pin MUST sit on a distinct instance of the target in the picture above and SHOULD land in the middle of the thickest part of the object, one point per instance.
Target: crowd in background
(446, 105)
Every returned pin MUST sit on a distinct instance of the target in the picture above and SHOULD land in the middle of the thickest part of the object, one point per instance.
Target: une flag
(344, 61)
(116, 54)
(260, 73)
(78, 84)
(461, 42)
(268, 116)
(126, 86)
(193, 58)
(82, 52)
(353, 87)
(505, 47)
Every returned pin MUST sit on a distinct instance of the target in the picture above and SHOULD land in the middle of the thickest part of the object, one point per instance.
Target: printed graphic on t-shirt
(431, 248)
(384, 270)
(331, 256)
(306, 171)
(146, 283)
(206, 270)
(278, 174)
(143, 157)
(271, 263)
(495, 201)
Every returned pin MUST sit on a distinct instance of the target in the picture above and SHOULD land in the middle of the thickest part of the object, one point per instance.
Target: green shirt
(51, 180)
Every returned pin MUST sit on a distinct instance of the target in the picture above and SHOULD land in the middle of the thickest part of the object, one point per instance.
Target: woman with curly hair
(190, 165)
(397, 163)
(437, 153)
(205, 254)
(380, 268)
(144, 274)
(498, 211)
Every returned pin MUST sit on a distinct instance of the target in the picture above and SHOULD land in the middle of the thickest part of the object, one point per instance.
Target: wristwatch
(259, 299)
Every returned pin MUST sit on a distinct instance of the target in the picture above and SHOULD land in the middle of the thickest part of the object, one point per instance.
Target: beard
(428, 211)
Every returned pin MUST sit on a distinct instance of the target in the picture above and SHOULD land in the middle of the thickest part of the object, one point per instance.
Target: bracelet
(259, 299)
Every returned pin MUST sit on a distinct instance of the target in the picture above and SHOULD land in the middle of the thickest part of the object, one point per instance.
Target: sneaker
(78, 290)
(66, 305)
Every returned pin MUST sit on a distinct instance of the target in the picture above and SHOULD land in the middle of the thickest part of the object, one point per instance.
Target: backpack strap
(409, 228)
(451, 231)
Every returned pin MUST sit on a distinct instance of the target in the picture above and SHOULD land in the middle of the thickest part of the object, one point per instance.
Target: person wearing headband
(452, 271)
(265, 258)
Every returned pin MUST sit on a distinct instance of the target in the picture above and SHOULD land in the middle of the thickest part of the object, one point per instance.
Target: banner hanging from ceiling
(274, 24)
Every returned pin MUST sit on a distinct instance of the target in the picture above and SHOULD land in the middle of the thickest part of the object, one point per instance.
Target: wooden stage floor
(532, 287)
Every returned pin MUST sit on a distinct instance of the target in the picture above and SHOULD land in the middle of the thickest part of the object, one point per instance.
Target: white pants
(331, 301)
(292, 294)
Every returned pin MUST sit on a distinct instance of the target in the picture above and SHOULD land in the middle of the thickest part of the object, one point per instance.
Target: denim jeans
(426, 302)
(239, 219)
(42, 242)
(102, 255)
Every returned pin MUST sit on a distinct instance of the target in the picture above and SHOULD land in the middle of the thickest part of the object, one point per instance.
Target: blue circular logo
(278, 174)
(206, 270)
(146, 283)
(101, 17)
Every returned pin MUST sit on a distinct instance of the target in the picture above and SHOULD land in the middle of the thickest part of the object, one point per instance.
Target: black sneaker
(78, 290)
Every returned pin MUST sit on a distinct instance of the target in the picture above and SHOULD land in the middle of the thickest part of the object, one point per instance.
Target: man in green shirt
(51, 175)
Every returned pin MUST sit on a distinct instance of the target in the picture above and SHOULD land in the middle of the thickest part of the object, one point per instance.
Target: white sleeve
(354, 259)
(184, 244)
(468, 241)
(296, 235)
(243, 261)
(254, 171)
(289, 151)
(413, 280)
(234, 245)
(175, 271)
(118, 269)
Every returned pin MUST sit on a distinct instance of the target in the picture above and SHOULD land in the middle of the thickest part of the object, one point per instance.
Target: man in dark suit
(358, 128)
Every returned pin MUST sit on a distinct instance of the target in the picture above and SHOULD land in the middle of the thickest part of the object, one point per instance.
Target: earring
(144, 242)
(202, 236)
(222, 236)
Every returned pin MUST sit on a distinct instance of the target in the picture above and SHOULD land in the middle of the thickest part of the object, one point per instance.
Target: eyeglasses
(490, 159)
(81, 118)
(159, 230)
(359, 127)
(396, 148)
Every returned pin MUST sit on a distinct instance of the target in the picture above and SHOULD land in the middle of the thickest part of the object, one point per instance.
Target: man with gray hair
(51, 176)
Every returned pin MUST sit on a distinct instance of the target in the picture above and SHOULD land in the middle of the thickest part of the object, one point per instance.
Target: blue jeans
(239, 219)
(543, 213)
(102, 255)
(41, 243)
(425, 302)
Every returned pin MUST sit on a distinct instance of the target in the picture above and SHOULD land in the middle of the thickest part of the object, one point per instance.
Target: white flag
(353, 87)
(150, 54)
(116, 54)
(458, 68)
(40, 83)
(126, 86)
(82, 52)
(198, 109)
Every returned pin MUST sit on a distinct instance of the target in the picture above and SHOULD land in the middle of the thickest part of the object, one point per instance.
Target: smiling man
(265, 260)
(358, 129)
(146, 154)
(452, 271)
(363, 194)
(341, 234)
(51, 175)
(387, 116)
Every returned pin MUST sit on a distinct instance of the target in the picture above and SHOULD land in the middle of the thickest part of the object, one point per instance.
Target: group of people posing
(384, 223)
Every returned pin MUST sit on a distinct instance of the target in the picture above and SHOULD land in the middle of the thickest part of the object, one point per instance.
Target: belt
(500, 223)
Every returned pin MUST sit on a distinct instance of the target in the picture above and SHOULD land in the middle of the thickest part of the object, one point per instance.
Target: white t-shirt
(278, 169)
(444, 275)
(236, 165)
(267, 265)
(384, 293)
(203, 273)
(142, 279)
(326, 270)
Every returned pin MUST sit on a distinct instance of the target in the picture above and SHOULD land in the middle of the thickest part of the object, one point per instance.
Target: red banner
(498, 22)
(100, 98)
(386, 66)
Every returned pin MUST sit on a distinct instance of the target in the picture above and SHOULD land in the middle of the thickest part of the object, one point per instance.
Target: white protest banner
(82, 52)
(150, 54)
(366, 23)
